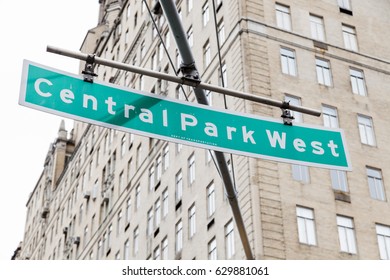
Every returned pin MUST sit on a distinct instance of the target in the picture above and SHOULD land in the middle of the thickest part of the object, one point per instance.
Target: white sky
(27, 27)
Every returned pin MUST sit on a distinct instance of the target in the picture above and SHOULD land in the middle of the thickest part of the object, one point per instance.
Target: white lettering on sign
(185, 121)
(317, 148)
(281, 141)
(211, 129)
(248, 135)
(91, 98)
(110, 103)
(37, 88)
(299, 145)
(276, 139)
(67, 96)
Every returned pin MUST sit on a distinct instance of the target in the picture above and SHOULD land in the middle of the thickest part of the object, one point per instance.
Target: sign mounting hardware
(88, 69)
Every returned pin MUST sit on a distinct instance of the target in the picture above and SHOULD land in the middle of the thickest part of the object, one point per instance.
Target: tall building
(106, 194)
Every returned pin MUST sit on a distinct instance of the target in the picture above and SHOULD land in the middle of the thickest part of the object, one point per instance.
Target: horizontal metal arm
(183, 81)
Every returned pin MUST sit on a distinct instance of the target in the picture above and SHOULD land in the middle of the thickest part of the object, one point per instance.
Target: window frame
(358, 83)
(350, 37)
(317, 28)
(288, 61)
(306, 226)
(324, 72)
(383, 237)
(283, 16)
(347, 236)
(375, 183)
(366, 130)
(230, 249)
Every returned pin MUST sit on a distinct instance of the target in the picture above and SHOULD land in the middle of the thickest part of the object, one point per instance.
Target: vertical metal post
(188, 61)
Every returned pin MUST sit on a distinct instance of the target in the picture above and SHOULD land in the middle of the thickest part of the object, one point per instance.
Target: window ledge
(346, 11)
(342, 196)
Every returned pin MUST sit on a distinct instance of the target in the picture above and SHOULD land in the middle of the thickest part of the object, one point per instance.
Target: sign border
(22, 97)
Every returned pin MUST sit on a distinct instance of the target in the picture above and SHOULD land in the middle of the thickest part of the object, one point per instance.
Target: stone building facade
(106, 194)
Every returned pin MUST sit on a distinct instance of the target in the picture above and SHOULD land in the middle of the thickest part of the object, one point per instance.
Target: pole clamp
(286, 113)
(88, 69)
(190, 74)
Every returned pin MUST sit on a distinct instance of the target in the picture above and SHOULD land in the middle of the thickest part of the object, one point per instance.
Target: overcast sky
(27, 27)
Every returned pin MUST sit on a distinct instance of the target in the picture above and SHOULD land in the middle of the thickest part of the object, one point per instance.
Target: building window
(210, 200)
(126, 250)
(221, 32)
(229, 240)
(346, 234)
(205, 13)
(85, 238)
(375, 184)
(190, 5)
(109, 235)
(167, 39)
(118, 223)
(128, 210)
(121, 182)
(137, 197)
(212, 249)
(161, 52)
(166, 157)
(128, 12)
(164, 249)
(306, 226)
(143, 49)
(141, 82)
(156, 253)
(191, 221)
(157, 212)
(135, 241)
(206, 54)
(158, 168)
(191, 169)
(223, 76)
(300, 173)
(339, 180)
(324, 76)
(209, 96)
(127, 37)
(179, 236)
(190, 36)
(123, 145)
(178, 60)
(330, 118)
(366, 130)
(344, 4)
(179, 186)
(350, 39)
(149, 217)
(152, 177)
(165, 202)
(288, 61)
(357, 82)
(317, 28)
(283, 17)
(383, 235)
(154, 61)
(99, 250)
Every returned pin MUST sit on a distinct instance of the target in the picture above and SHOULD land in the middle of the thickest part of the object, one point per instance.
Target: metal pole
(183, 81)
(173, 19)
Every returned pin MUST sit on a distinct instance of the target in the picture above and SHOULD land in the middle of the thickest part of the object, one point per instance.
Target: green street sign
(130, 110)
